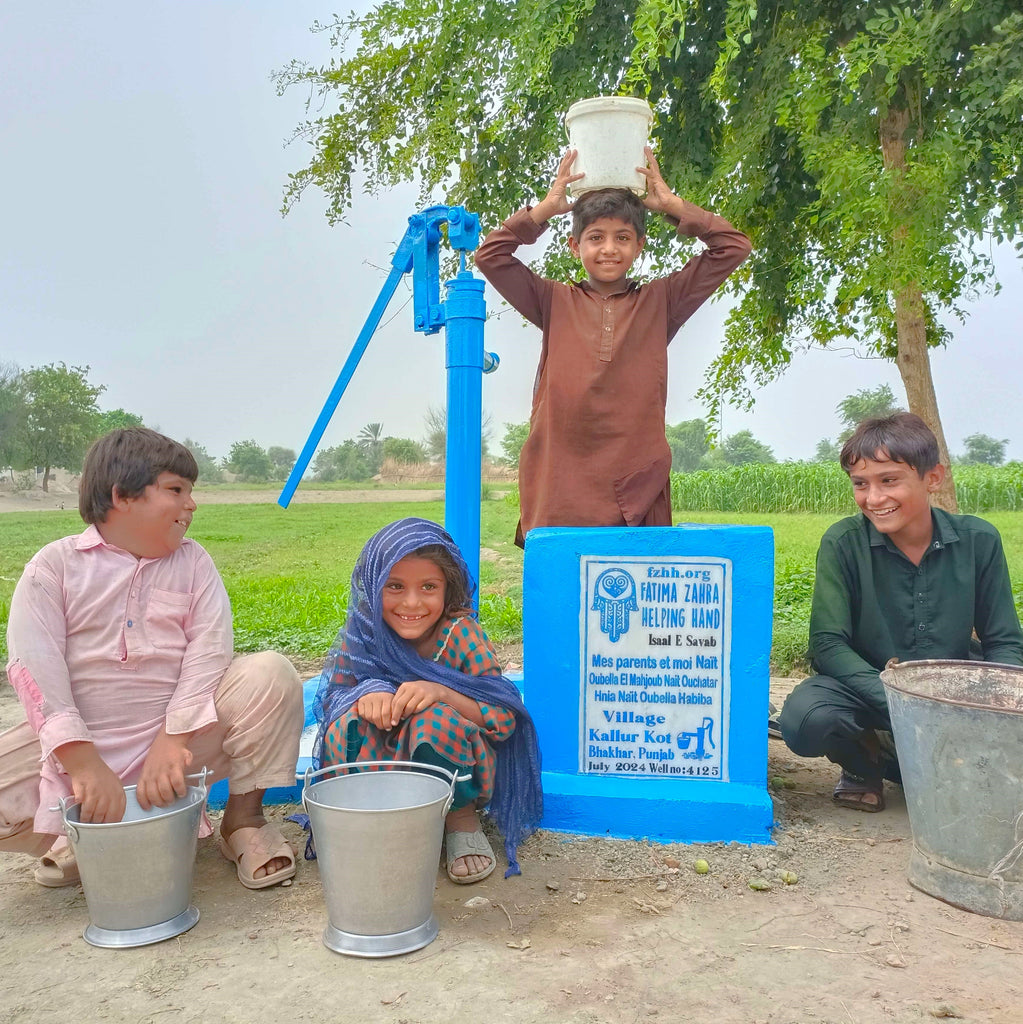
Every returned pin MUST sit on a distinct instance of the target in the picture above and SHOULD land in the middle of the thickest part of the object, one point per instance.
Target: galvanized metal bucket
(137, 872)
(378, 828)
(958, 728)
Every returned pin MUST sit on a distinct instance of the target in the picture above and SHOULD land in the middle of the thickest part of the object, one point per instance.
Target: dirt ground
(593, 931)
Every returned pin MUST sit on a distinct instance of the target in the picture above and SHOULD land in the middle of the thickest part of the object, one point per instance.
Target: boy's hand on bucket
(163, 775)
(556, 200)
(96, 788)
(659, 198)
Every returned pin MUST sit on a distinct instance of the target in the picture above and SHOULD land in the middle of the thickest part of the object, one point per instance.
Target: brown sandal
(851, 790)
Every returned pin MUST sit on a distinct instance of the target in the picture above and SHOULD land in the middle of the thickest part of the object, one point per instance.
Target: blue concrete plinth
(645, 668)
(663, 810)
(282, 794)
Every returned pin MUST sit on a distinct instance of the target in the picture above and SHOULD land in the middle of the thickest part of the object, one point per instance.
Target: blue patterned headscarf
(369, 652)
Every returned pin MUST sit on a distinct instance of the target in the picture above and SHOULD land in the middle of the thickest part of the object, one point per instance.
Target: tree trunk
(912, 358)
(46, 480)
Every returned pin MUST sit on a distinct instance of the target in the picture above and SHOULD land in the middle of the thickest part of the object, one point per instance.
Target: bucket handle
(69, 801)
(445, 773)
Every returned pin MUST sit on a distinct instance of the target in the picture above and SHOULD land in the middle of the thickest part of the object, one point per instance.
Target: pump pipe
(462, 315)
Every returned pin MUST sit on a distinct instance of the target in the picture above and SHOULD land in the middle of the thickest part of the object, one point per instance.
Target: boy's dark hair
(457, 596)
(902, 437)
(129, 459)
(608, 202)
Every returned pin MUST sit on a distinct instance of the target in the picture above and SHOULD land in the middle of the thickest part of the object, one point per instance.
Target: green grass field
(287, 571)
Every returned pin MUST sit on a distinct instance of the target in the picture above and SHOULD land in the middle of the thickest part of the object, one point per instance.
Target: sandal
(851, 790)
(468, 844)
(251, 848)
(57, 869)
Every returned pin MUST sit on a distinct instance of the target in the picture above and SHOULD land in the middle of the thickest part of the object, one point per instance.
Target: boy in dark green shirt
(901, 580)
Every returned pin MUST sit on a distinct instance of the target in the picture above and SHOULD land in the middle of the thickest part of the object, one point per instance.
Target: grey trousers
(823, 717)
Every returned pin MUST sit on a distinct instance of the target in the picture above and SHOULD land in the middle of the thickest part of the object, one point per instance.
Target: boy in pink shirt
(120, 649)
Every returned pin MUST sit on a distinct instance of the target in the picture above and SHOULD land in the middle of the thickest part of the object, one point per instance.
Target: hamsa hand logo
(614, 596)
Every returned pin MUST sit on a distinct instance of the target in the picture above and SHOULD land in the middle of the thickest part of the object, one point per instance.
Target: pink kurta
(109, 648)
(596, 454)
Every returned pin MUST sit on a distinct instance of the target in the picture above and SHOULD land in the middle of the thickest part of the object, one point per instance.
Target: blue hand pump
(462, 316)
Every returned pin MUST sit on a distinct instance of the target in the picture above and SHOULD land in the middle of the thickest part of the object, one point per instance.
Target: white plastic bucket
(609, 133)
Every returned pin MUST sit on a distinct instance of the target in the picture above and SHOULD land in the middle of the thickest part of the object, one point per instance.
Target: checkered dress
(465, 647)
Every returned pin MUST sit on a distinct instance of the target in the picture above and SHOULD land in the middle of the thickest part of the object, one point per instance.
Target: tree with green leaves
(60, 421)
(371, 444)
(515, 435)
(116, 419)
(827, 451)
(436, 440)
(741, 448)
(249, 462)
(404, 450)
(342, 462)
(865, 404)
(209, 471)
(282, 460)
(984, 449)
(689, 442)
(871, 150)
(13, 416)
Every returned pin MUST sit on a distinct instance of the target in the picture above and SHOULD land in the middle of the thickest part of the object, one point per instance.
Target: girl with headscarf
(413, 676)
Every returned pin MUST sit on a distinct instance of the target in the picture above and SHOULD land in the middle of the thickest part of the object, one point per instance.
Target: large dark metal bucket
(958, 728)
(378, 828)
(137, 872)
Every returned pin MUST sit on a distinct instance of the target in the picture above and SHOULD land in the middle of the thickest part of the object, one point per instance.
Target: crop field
(824, 487)
(287, 572)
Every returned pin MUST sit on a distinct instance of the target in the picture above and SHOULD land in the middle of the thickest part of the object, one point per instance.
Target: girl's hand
(556, 200)
(659, 197)
(417, 695)
(375, 708)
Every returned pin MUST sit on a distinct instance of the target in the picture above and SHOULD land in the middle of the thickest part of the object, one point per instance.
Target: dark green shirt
(871, 603)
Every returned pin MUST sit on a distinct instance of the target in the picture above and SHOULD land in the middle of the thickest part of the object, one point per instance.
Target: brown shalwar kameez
(596, 454)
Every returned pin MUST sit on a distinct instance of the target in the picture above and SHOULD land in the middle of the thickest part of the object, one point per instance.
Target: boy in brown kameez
(596, 454)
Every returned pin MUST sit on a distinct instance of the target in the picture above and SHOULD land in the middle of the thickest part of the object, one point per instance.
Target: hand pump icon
(462, 316)
(699, 752)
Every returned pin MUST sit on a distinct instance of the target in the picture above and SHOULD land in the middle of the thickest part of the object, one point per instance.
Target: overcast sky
(143, 165)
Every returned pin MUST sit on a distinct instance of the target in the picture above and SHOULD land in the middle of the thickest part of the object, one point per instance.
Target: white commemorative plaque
(655, 640)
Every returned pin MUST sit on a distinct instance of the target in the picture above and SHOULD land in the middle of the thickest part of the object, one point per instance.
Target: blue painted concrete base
(278, 795)
(680, 630)
(663, 811)
(281, 794)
